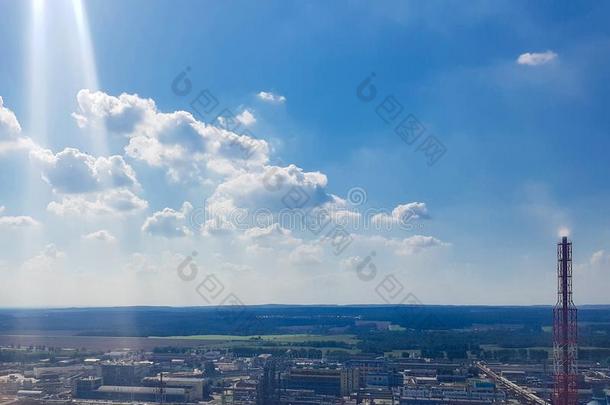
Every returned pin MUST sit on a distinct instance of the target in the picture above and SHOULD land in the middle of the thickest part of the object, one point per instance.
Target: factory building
(322, 381)
(137, 394)
(127, 374)
(195, 386)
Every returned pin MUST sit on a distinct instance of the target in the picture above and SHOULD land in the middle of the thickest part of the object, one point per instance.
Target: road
(519, 391)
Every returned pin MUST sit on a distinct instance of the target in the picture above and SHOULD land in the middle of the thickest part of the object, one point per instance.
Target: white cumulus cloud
(536, 58)
(350, 263)
(169, 222)
(72, 171)
(189, 150)
(114, 203)
(10, 132)
(402, 214)
(269, 240)
(273, 234)
(102, 235)
(48, 259)
(600, 258)
(273, 188)
(246, 117)
(415, 244)
(21, 221)
(9, 126)
(119, 114)
(270, 97)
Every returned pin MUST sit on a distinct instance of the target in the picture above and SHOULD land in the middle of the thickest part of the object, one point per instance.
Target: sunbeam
(98, 132)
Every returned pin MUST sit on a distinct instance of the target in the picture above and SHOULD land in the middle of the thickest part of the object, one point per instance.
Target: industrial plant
(331, 368)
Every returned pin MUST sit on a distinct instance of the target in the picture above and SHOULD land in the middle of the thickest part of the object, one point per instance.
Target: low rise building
(195, 386)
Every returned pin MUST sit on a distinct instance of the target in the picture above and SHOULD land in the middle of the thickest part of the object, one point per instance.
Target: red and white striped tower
(565, 330)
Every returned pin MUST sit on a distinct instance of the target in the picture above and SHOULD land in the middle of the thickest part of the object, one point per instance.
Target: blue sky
(517, 92)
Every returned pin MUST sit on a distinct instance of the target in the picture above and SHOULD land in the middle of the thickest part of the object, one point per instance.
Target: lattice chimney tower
(565, 330)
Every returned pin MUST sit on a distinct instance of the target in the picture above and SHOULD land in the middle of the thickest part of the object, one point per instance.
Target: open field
(102, 343)
(149, 343)
(399, 354)
(293, 338)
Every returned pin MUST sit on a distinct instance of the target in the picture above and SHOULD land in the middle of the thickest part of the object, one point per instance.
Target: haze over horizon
(258, 153)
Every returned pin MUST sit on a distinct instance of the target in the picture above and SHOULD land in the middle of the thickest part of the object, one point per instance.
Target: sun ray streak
(98, 131)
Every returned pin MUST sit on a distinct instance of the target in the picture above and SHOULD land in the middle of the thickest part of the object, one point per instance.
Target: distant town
(406, 354)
